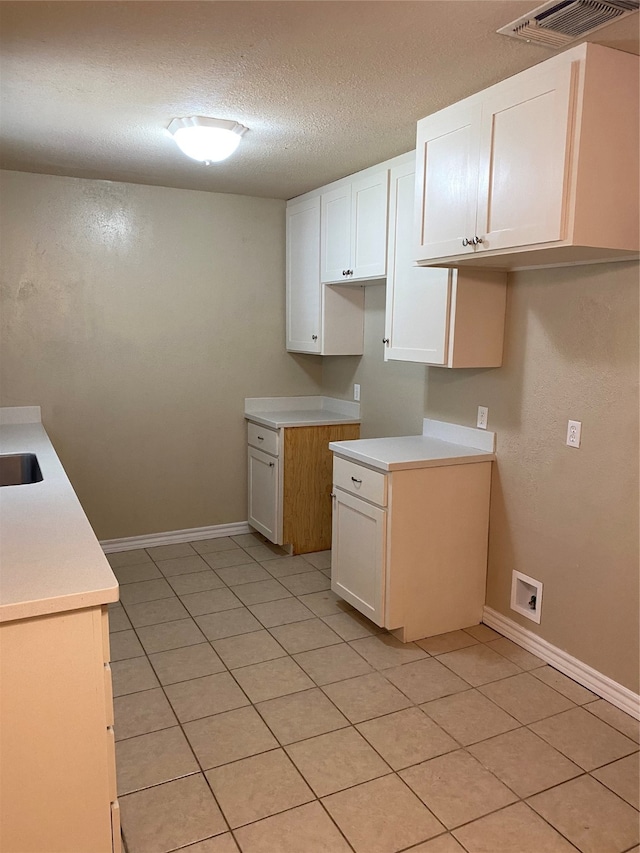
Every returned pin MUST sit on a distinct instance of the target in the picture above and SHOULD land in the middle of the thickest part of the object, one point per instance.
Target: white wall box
(435, 315)
(538, 170)
(409, 547)
(353, 228)
(289, 483)
(320, 319)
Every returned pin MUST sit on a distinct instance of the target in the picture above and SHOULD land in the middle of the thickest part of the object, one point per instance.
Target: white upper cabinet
(320, 319)
(302, 274)
(437, 316)
(354, 229)
(539, 170)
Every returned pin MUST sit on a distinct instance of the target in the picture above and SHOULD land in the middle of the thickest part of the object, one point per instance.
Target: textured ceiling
(326, 88)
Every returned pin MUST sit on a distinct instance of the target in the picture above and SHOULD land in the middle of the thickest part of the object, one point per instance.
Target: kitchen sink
(18, 469)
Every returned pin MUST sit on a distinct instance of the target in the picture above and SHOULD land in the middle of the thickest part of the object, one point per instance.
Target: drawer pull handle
(354, 480)
(260, 438)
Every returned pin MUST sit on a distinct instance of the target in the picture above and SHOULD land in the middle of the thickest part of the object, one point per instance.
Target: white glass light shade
(209, 140)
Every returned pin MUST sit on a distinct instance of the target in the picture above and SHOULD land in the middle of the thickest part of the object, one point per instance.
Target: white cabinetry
(434, 315)
(409, 547)
(320, 319)
(354, 229)
(289, 482)
(540, 169)
(265, 503)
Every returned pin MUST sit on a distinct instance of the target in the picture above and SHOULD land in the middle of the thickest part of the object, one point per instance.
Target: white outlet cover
(356, 393)
(574, 432)
(483, 417)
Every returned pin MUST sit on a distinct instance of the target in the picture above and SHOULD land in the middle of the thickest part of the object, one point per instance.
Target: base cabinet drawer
(364, 482)
(265, 439)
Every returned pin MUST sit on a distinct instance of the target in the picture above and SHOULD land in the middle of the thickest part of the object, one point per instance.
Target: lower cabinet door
(358, 554)
(264, 494)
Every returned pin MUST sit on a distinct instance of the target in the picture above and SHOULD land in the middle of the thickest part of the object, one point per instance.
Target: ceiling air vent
(557, 24)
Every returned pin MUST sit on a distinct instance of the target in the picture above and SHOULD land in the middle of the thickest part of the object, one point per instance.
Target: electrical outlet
(356, 393)
(574, 430)
(483, 417)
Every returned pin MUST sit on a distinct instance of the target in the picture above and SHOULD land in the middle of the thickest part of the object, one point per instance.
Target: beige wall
(139, 318)
(392, 395)
(566, 517)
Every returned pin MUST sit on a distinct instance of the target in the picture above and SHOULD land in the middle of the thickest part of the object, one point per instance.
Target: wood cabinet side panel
(606, 202)
(477, 326)
(308, 475)
(53, 740)
(437, 548)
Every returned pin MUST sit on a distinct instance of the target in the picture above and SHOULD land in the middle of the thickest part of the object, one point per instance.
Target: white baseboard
(590, 678)
(174, 537)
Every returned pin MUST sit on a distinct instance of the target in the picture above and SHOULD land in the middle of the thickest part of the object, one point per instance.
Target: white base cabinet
(265, 506)
(358, 554)
(409, 547)
(289, 483)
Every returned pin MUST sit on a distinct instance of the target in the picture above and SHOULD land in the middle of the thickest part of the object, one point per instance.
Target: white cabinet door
(354, 230)
(335, 261)
(524, 149)
(492, 172)
(369, 201)
(303, 276)
(418, 298)
(264, 493)
(358, 554)
(447, 159)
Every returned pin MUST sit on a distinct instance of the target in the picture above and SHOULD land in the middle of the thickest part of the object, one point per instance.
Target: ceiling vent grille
(557, 24)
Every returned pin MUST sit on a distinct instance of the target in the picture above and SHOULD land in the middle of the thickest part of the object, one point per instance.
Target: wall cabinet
(532, 171)
(435, 315)
(409, 547)
(289, 483)
(320, 319)
(57, 739)
(353, 229)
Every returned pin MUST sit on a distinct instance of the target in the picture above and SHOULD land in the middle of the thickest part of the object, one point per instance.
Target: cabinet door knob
(476, 240)
(349, 272)
(345, 272)
(272, 464)
(354, 480)
(385, 340)
(465, 242)
(314, 337)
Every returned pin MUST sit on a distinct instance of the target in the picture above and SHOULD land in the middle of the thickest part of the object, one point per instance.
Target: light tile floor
(256, 711)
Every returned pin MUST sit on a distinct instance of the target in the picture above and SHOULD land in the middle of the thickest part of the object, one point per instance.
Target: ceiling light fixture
(208, 140)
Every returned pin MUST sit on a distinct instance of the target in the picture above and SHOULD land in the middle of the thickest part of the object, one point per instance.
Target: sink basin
(17, 469)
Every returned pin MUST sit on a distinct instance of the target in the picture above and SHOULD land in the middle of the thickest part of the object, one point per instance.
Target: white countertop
(277, 412)
(50, 559)
(419, 451)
